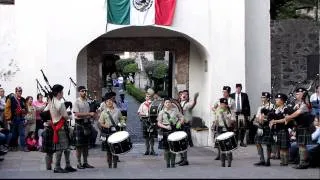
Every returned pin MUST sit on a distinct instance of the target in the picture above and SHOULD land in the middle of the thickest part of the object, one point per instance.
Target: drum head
(176, 136)
(118, 137)
(225, 135)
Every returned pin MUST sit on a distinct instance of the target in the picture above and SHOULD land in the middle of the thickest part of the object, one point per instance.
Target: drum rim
(118, 140)
(186, 135)
(230, 150)
(179, 151)
(231, 133)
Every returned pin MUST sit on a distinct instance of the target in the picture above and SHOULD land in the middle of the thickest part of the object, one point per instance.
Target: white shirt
(120, 79)
(236, 100)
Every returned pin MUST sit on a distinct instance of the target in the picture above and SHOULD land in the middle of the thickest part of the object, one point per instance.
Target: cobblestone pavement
(135, 165)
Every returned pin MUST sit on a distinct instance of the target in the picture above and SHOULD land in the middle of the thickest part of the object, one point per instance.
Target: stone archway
(179, 45)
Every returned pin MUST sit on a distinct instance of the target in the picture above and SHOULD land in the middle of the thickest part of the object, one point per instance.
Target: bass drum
(157, 106)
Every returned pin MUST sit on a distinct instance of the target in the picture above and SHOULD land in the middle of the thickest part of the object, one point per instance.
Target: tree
(122, 63)
(131, 68)
(286, 9)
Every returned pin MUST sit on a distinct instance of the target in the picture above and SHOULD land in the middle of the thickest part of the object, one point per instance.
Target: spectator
(314, 151)
(31, 116)
(5, 137)
(315, 102)
(32, 142)
(2, 103)
(15, 111)
(39, 104)
(123, 104)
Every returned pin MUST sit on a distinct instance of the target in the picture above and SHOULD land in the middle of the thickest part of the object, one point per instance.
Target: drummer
(149, 129)
(224, 121)
(169, 120)
(111, 120)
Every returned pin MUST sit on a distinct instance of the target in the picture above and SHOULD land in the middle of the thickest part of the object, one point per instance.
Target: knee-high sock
(58, 159)
(268, 152)
(67, 157)
(223, 158)
(167, 156)
(185, 156)
(229, 157)
(173, 158)
(79, 152)
(147, 144)
(49, 159)
(85, 152)
(261, 153)
(303, 154)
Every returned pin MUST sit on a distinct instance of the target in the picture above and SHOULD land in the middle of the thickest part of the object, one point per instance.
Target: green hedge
(137, 93)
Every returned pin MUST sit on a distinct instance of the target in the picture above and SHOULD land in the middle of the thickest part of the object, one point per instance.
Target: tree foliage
(131, 68)
(156, 69)
(122, 63)
(287, 9)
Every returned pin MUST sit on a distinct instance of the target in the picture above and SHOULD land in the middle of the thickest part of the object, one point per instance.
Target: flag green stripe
(118, 11)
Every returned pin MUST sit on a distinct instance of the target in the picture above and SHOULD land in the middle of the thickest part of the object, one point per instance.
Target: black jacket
(244, 103)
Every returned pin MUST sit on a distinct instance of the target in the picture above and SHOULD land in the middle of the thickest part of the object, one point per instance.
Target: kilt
(80, 138)
(63, 142)
(303, 136)
(165, 143)
(149, 129)
(283, 139)
(105, 145)
(258, 139)
(47, 140)
(267, 136)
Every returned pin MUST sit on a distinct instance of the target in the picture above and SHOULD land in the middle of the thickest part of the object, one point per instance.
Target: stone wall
(292, 41)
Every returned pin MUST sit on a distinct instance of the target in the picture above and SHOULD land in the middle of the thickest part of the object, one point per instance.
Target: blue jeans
(294, 150)
(5, 137)
(18, 131)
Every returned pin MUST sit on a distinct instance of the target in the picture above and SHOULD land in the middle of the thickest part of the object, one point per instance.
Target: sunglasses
(83, 91)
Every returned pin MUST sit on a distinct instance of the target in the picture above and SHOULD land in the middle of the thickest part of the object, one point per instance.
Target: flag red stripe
(165, 11)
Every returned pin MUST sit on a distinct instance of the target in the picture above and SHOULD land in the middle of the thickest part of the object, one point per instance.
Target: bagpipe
(47, 90)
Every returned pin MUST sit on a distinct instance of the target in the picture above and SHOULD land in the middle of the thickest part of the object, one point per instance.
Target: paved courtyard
(135, 165)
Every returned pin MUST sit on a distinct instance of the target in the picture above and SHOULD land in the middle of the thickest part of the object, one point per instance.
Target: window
(6, 1)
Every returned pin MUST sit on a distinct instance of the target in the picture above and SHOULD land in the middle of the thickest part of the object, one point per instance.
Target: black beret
(300, 90)
(166, 98)
(266, 95)
(227, 88)
(113, 93)
(224, 100)
(81, 88)
(108, 96)
(238, 85)
(281, 96)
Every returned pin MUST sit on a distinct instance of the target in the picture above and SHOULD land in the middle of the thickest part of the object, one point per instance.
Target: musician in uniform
(263, 135)
(82, 130)
(148, 124)
(110, 120)
(231, 104)
(187, 107)
(169, 120)
(303, 119)
(59, 117)
(224, 122)
(242, 108)
(277, 122)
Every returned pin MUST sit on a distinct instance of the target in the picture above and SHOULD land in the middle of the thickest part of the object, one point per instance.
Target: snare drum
(227, 141)
(120, 142)
(178, 142)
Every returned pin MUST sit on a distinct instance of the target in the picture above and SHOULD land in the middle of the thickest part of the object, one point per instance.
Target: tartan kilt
(47, 140)
(80, 139)
(283, 139)
(267, 136)
(63, 142)
(259, 139)
(105, 145)
(145, 126)
(304, 136)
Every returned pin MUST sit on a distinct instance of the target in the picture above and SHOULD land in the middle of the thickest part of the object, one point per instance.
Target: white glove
(160, 137)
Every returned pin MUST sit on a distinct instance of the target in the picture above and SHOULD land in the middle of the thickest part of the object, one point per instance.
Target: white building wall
(82, 73)
(258, 51)
(51, 33)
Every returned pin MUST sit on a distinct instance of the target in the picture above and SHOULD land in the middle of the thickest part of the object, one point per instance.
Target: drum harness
(113, 128)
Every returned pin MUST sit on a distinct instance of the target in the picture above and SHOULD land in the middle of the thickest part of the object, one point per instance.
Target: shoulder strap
(224, 120)
(111, 119)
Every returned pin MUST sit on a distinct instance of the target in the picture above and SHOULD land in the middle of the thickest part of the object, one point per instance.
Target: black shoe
(229, 164)
(49, 168)
(146, 153)
(173, 166)
(2, 153)
(80, 166)
(110, 165)
(243, 145)
(1, 159)
(217, 158)
(267, 164)
(282, 164)
(300, 166)
(59, 170)
(118, 160)
(179, 162)
(86, 165)
(168, 165)
(115, 166)
(223, 165)
(261, 163)
(70, 169)
(153, 153)
(184, 163)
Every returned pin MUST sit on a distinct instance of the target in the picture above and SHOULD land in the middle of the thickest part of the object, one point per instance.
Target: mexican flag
(140, 12)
